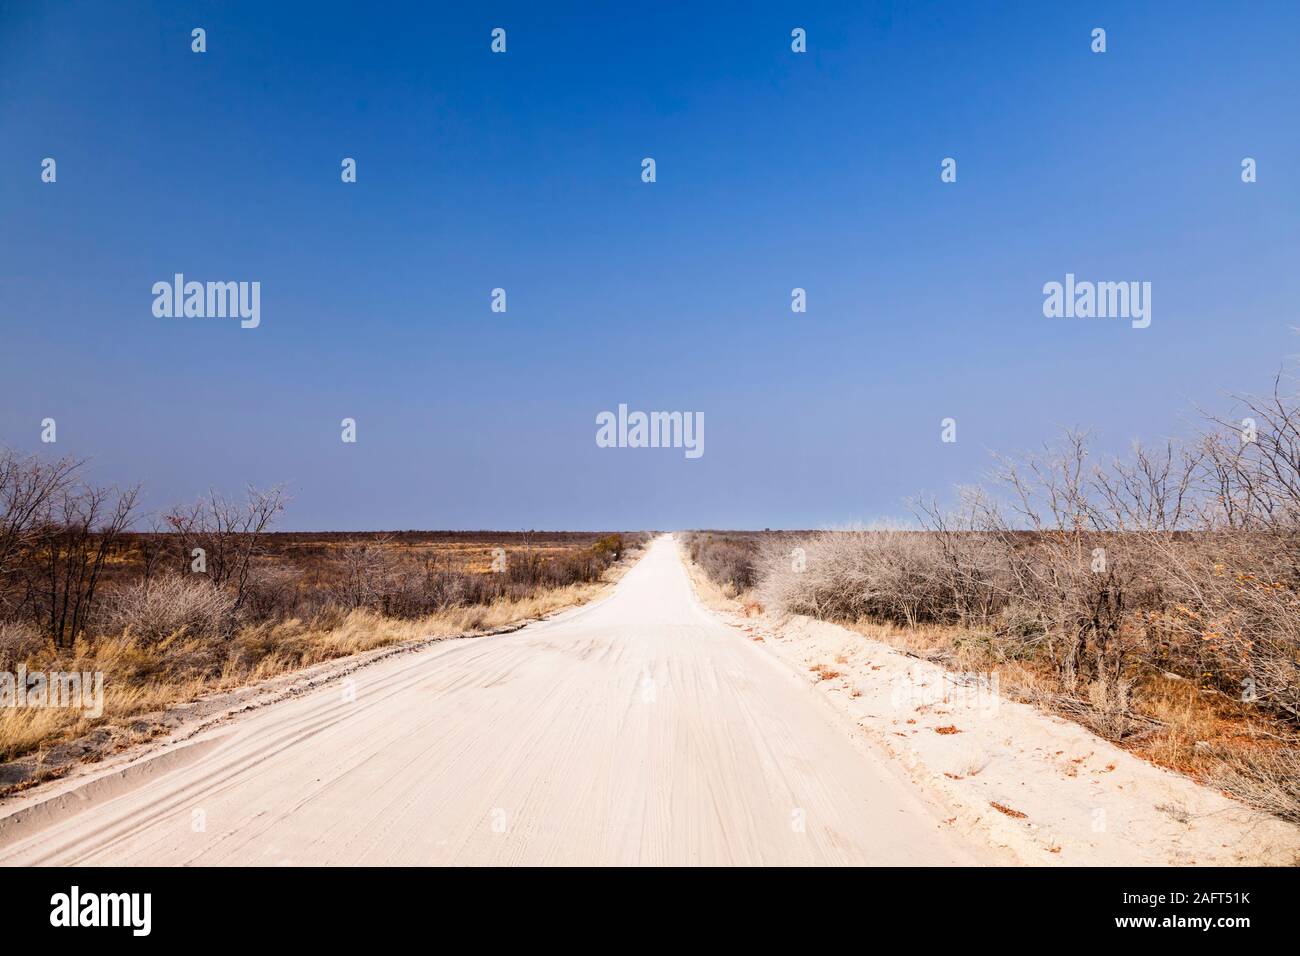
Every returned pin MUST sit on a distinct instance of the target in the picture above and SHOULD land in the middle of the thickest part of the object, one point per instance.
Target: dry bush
(20, 642)
(134, 606)
(887, 576)
(1232, 622)
(1082, 541)
(1092, 583)
(571, 567)
(148, 677)
(612, 545)
(1269, 780)
(416, 590)
(229, 533)
(363, 574)
(168, 606)
(970, 580)
(1062, 569)
(273, 592)
(28, 486)
(77, 530)
(728, 561)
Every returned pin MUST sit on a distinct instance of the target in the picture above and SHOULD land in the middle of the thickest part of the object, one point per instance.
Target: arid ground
(641, 728)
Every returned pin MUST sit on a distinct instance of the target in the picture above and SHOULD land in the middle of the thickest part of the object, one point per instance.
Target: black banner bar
(303, 906)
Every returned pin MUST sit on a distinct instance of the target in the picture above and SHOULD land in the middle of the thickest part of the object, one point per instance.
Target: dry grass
(163, 631)
(147, 676)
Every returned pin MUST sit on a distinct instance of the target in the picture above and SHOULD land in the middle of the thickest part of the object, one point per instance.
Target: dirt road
(637, 730)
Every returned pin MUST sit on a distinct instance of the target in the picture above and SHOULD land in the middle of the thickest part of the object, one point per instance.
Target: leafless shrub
(168, 606)
(365, 573)
(1269, 780)
(531, 570)
(1066, 562)
(272, 592)
(77, 529)
(229, 533)
(727, 560)
(1232, 615)
(1252, 466)
(1179, 562)
(19, 642)
(27, 486)
(1181, 559)
(403, 589)
(887, 575)
(970, 578)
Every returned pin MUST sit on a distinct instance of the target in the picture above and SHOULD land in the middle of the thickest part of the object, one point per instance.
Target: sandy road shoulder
(1047, 789)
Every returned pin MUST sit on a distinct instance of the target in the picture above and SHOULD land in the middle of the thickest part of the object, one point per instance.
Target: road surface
(636, 730)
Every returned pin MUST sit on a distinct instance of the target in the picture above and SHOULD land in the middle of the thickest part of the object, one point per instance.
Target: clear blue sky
(523, 171)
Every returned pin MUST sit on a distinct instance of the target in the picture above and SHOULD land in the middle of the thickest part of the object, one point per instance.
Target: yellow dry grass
(149, 678)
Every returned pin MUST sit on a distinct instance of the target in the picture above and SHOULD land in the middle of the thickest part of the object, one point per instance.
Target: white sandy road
(638, 730)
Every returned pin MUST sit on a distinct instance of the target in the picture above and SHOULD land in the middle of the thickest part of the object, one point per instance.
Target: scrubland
(213, 599)
(1154, 597)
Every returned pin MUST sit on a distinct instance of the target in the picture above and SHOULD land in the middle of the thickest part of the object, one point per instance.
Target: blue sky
(522, 171)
